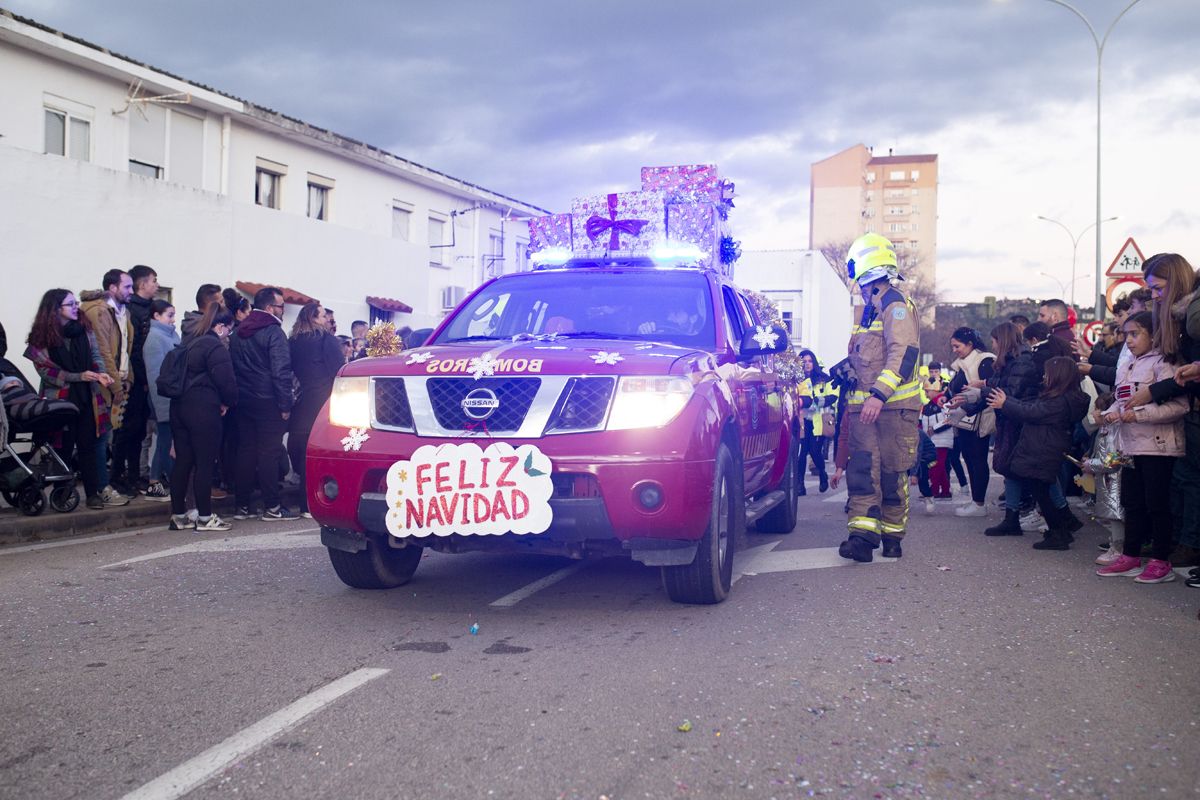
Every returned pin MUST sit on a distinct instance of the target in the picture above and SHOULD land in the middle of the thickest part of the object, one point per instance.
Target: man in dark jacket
(127, 441)
(206, 295)
(263, 366)
(1054, 313)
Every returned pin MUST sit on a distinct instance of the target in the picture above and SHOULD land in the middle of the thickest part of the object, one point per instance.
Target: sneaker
(193, 515)
(157, 492)
(218, 493)
(306, 515)
(213, 523)
(1156, 571)
(1193, 582)
(1032, 522)
(244, 512)
(929, 509)
(112, 498)
(181, 523)
(970, 510)
(1129, 566)
(1108, 556)
(95, 502)
(278, 513)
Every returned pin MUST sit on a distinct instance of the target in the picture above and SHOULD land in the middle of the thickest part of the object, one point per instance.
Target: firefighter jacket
(883, 351)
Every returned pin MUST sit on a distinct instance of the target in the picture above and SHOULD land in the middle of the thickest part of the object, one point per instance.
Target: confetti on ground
(684, 726)
(474, 629)
(437, 676)
(943, 568)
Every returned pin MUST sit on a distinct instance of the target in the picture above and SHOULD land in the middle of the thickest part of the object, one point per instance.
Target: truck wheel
(708, 578)
(782, 518)
(377, 567)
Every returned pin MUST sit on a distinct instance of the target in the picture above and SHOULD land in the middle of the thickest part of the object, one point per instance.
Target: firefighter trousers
(877, 473)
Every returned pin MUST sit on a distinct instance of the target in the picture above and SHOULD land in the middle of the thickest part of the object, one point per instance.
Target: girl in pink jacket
(1153, 436)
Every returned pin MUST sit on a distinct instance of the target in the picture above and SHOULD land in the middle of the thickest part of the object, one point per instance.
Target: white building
(208, 188)
(814, 301)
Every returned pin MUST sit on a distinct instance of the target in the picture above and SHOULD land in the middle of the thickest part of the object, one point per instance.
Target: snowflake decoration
(765, 337)
(605, 357)
(483, 366)
(419, 358)
(355, 440)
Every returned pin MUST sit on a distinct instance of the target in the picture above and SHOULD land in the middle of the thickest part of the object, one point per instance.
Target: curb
(16, 528)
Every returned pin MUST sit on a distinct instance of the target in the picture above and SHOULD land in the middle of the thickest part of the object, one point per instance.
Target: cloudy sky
(548, 99)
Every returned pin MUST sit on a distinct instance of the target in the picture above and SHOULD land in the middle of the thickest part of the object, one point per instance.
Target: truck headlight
(648, 401)
(350, 403)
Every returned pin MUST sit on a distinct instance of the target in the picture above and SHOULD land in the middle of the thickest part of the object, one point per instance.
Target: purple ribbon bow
(597, 225)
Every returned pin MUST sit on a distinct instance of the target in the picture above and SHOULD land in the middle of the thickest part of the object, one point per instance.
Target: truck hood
(546, 356)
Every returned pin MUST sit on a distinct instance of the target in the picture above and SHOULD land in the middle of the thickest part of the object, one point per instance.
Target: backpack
(172, 376)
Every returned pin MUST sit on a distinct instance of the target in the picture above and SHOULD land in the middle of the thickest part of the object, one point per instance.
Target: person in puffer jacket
(1047, 422)
(1152, 435)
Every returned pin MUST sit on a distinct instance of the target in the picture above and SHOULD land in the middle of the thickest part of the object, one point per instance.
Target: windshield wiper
(476, 338)
(603, 335)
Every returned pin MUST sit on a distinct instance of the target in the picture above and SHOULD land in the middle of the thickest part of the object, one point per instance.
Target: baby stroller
(28, 464)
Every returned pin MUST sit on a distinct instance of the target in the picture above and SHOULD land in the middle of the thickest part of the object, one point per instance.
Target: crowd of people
(185, 416)
(1032, 405)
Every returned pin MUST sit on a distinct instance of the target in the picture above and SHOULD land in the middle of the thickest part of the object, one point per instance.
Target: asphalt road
(157, 663)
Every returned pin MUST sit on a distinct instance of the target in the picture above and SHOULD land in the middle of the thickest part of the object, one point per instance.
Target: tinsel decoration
(382, 340)
(787, 363)
(731, 250)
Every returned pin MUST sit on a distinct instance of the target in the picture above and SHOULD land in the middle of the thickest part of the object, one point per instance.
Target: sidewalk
(16, 528)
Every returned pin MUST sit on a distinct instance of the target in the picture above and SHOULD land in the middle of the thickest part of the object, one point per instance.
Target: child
(1108, 480)
(941, 433)
(1048, 421)
(1153, 436)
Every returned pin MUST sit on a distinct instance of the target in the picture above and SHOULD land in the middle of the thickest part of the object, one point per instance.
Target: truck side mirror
(764, 340)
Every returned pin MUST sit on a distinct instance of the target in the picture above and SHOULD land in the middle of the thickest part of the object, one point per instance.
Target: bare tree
(920, 289)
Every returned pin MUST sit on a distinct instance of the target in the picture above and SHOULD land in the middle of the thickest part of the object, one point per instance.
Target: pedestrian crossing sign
(1128, 262)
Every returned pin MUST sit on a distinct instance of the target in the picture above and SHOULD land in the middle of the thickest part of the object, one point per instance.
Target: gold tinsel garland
(382, 340)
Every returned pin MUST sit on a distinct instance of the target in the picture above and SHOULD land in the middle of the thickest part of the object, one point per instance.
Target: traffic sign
(1118, 287)
(1091, 332)
(1128, 262)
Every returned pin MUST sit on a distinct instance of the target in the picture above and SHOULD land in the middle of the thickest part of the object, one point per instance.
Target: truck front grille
(514, 396)
(391, 404)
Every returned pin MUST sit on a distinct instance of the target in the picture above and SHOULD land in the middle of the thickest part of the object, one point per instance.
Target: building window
(145, 170)
(895, 194)
(896, 175)
(913, 227)
(68, 135)
(787, 321)
(869, 211)
(916, 174)
(266, 188)
(870, 177)
(521, 263)
(893, 211)
(896, 227)
(401, 222)
(320, 190)
(870, 195)
(915, 191)
(437, 239)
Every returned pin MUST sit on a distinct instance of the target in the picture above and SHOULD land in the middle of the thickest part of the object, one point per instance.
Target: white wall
(805, 280)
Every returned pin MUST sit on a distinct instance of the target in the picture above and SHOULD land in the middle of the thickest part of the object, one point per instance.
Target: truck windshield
(661, 306)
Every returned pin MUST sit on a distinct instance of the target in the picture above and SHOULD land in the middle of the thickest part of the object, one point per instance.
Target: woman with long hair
(65, 354)
(1175, 306)
(161, 339)
(974, 365)
(209, 391)
(814, 429)
(316, 358)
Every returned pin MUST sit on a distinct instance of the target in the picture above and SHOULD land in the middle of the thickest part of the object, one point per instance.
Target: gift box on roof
(698, 224)
(627, 222)
(689, 183)
(552, 230)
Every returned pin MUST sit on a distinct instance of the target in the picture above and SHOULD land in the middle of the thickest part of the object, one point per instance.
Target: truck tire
(782, 518)
(708, 578)
(377, 567)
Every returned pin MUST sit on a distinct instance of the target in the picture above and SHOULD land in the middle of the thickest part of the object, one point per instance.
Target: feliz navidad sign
(460, 488)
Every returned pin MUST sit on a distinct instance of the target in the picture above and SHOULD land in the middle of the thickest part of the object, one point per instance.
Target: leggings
(1146, 498)
(809, 448)
(975, 454)
(196, 430)
(954, 462)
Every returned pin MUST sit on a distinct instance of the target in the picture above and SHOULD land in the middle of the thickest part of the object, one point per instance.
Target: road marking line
(840, 497)
(749, 556)
(195, 772)
(808, 558)
(26, 548)
(277, 540)
(512, 599)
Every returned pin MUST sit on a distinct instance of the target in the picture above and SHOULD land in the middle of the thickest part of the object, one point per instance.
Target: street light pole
(1075, 249)
(1100, 304)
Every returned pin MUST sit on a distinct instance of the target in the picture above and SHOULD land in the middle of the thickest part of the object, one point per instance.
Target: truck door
(751, 388)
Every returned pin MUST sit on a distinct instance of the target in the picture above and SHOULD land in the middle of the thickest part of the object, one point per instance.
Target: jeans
(162, 464)
(101, 456)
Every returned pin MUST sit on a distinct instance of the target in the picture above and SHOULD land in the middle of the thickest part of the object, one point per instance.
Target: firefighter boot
(857, 548)
(891, 547)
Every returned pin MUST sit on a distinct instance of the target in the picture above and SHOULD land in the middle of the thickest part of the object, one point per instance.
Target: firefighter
(884, 404)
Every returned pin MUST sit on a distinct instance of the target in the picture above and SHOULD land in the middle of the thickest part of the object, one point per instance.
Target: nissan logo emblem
(480, 403)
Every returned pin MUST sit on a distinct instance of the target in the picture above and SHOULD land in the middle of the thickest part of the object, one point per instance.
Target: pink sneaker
(1125, 565)
(1156, 571)
(1108, 556)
